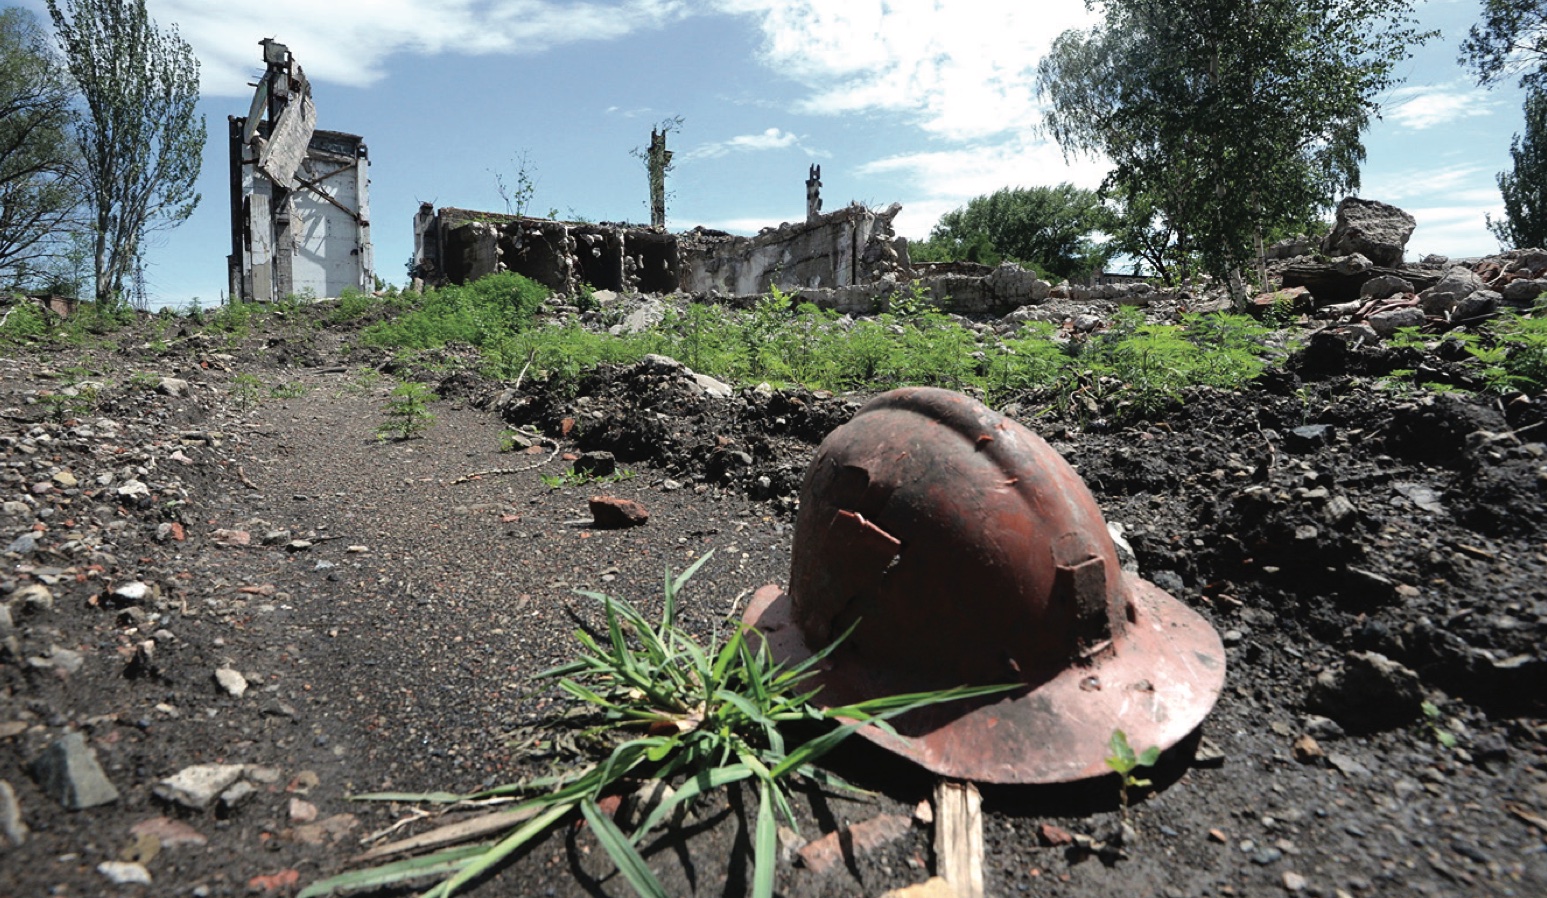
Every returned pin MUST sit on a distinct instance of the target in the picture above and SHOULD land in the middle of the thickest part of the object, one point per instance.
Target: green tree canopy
(38, 187)
(1047, 227)
(1233, 118)
(1510, 37)
(140, 139)
(1525, 189)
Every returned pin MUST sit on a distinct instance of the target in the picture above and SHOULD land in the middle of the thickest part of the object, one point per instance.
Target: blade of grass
(700, 783)
(432, 797)
(765, 850)
(503, 849)
(438, 864)
(622, 852)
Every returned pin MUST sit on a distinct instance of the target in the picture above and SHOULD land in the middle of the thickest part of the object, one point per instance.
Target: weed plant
(1124, 761)
(1510, 354)
(408, 413)
(572, 477)
(705, 717)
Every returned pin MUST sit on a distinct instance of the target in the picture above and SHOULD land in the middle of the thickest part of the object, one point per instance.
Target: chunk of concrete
(196, 787)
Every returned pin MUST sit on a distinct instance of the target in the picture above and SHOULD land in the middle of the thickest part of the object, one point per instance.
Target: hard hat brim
(1156, 683)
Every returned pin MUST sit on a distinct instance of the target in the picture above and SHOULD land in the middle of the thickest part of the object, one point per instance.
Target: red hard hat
(965, 551)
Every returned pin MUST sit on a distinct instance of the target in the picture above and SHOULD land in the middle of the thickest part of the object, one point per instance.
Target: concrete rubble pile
(1370, 293)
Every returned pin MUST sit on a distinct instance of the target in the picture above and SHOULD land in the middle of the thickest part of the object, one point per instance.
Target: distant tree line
(100, 144)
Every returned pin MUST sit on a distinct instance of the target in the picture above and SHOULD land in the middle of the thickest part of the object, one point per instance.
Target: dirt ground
(386, 617)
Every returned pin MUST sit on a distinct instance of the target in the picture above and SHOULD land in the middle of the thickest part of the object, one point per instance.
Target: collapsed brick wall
(852, 246)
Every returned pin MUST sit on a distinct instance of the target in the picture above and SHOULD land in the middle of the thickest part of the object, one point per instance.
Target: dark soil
(389, 628)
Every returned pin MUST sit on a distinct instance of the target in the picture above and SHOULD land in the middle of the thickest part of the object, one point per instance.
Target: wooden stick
(461, 831)
(959, 837)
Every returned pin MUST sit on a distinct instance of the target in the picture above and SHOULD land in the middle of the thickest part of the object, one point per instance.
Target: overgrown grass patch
(1132, 367)
(703, 717)
(481, 314)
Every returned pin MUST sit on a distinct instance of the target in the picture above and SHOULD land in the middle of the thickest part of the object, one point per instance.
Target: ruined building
(300, 217)
(851, 247)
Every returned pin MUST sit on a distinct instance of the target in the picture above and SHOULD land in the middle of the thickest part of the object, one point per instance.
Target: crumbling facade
(850, 247)
(300, 214)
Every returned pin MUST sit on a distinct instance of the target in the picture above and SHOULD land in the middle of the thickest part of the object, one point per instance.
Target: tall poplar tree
(140, 138)
(1525, 189)
(38, 189)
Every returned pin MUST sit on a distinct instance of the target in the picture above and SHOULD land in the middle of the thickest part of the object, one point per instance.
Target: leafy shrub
(481, 314)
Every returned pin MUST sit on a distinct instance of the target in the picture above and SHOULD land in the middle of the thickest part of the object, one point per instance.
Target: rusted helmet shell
(965, 551)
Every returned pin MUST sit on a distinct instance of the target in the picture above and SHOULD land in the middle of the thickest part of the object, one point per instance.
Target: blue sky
(923, 102)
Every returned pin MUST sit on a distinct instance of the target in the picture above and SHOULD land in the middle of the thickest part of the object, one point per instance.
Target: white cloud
(770, 139)
(1455, 182)
(1455, 231)
(1422, 106)
(942, 180)
(349, 41)
(962, 71)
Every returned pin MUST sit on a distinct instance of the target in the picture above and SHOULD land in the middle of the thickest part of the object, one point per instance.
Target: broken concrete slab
(196, 787)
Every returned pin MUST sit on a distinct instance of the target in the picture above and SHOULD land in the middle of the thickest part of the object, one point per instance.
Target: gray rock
(1378, 230)
(596, 464)
(172, 386)
(123, 873)
(1126, 559)
(67, 660)
(1385, 286)
(1523, 292)
(1010, 283)
(712, 387)
(134, 491)
(233, 797)
(68, 771)
(1347, 764)
(1457, 284)
(1480, 303)
(197, 786)
(1308, 437)
(25, 544)
(34, 598)
(1352, 264)
(1369, 692)
(1528, 260)
(1323, 728)
(132, 593)
(231, 681)
(648, 315)
(12, 827)
(1388, 322)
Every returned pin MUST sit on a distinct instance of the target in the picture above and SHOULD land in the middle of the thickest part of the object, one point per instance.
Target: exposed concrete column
(814, 194)
(659, 162)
